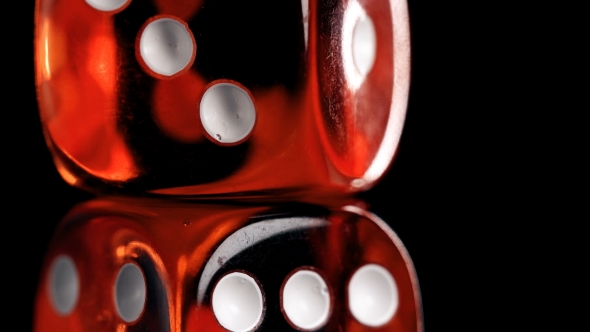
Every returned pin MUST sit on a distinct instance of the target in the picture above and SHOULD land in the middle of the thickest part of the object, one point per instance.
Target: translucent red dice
(208, 97)
(156, 265)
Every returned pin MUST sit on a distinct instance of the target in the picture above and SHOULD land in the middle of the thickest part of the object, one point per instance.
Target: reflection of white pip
(359, 44)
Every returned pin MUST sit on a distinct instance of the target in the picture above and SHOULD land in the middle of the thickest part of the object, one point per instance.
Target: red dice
(264, 115)
(151, 265)
(216, 97)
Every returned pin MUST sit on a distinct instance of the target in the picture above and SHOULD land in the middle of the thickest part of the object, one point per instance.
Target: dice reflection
(137, 265)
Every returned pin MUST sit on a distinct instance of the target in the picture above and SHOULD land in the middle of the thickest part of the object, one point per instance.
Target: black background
(431, 195)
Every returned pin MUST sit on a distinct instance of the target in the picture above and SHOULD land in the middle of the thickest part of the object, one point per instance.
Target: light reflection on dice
(149, 265)
(205, 97)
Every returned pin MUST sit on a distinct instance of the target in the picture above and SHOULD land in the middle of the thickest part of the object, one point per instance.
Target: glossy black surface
(414, 197)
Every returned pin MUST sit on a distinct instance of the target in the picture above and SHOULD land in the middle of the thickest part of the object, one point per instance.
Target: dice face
(219, 96)
(133, 265)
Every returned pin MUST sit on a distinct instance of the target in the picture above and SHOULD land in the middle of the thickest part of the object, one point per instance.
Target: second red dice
(159, 265)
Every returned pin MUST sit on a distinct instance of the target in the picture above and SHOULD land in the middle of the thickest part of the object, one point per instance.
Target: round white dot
(364, 45)
(64, 285)
(130, 292)
(106, 5)
(227, 113)
(237, 302)
(306, 300)
(166, 46)
(372, 295)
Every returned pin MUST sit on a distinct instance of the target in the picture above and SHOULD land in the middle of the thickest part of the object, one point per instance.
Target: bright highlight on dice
(306, 300)
(238, 302)
(364, 44)
(166, 46)
(359, 44)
